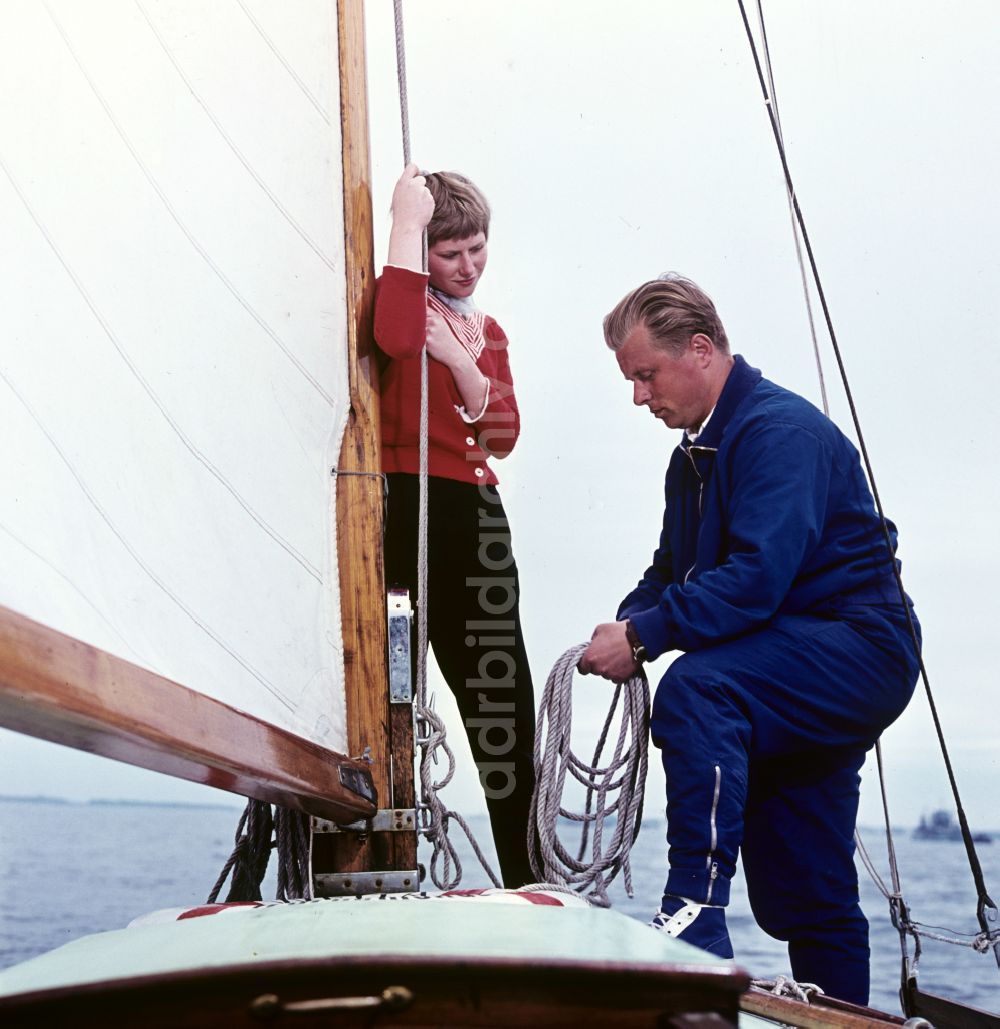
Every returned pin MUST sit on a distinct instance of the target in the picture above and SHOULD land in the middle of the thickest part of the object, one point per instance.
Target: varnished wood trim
(403, 787)
(388, 739)
(797, 1013)
(360, 496)
(59, 689)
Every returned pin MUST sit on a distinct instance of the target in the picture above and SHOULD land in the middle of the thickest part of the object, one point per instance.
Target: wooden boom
(59, 689)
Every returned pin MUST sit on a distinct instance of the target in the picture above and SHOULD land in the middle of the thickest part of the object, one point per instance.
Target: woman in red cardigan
(472, 584)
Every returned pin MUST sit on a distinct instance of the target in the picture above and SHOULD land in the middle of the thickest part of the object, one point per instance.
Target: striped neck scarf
(464, 319)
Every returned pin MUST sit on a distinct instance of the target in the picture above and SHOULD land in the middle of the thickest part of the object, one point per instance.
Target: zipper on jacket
(701, 493)
(701, 481)
(710, 863)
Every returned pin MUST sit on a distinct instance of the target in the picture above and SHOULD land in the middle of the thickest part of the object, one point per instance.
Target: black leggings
(474, 629)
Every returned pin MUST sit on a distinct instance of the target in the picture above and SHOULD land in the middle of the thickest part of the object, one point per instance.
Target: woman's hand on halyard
(412, 203)
(412, 207)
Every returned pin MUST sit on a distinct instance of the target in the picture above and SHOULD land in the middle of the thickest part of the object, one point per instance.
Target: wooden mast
(376, 728)
(359, 482)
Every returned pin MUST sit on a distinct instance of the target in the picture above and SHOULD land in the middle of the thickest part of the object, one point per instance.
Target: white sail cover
(173, 377)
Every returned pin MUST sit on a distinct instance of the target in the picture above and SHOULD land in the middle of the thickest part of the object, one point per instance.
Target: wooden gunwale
(822, 1013)
(469, 992)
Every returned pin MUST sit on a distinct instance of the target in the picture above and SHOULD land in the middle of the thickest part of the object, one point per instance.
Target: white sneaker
(701, 925)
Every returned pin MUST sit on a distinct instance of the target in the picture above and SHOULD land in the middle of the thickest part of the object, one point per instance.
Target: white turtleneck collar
(461, 305)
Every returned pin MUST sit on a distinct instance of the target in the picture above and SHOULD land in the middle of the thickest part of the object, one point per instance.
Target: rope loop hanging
(594, 864)
(252, 850)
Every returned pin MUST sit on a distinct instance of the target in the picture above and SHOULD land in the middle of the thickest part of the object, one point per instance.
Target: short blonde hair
(672, 309)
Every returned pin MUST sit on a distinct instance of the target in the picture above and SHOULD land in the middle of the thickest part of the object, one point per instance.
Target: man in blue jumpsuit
(774, 577)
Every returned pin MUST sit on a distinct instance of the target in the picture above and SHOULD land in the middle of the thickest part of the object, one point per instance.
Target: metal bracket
(356, 884)
(359, 781)
(400, 618)
(393, 819)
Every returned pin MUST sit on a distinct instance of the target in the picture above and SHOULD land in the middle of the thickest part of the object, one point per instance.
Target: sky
(615, 143)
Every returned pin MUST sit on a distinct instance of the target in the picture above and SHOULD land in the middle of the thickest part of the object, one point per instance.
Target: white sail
(173, 380)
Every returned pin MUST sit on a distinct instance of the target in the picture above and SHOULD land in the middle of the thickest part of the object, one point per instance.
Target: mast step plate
(356, 884)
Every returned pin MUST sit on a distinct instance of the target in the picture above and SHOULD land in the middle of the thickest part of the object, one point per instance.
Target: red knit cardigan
(456, 449)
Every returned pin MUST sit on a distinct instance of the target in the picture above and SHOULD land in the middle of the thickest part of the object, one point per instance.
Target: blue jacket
(767, 512)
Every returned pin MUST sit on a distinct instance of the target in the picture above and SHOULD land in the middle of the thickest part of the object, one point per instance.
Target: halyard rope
(624, 771)
(431, 734)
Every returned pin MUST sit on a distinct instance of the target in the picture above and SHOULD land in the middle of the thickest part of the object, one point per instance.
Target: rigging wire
(986, 909)
(791, 213)
(895, 898)
(896, 903)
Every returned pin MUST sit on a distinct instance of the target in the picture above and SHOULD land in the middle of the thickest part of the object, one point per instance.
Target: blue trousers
(763, 738)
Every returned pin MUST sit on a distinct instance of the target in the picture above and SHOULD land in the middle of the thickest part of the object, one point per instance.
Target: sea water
(69, 869)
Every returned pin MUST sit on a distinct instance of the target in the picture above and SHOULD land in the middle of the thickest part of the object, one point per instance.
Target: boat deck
(392, 961)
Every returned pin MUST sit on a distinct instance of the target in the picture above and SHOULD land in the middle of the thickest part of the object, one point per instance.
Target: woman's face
(455, 265)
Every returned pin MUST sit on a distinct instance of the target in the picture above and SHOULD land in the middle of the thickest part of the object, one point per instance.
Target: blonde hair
(672, 309)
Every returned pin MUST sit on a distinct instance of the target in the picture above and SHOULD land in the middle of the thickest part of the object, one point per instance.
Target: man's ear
(702, 346)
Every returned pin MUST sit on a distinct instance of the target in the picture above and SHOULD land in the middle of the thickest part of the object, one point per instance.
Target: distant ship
(940, 826)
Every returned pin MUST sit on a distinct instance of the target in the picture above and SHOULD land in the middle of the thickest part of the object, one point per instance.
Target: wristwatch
(638, 649)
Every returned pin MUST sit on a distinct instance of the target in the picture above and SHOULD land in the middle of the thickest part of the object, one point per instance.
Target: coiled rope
(625, 772)
(252, 850)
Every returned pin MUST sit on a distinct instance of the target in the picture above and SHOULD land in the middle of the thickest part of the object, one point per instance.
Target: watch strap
(639, 654)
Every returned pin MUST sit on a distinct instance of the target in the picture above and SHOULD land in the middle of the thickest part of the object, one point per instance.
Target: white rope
(869, 864)
(625, 771)
(431, 735)
(551, 888)
(783, 986)
(435, 817)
